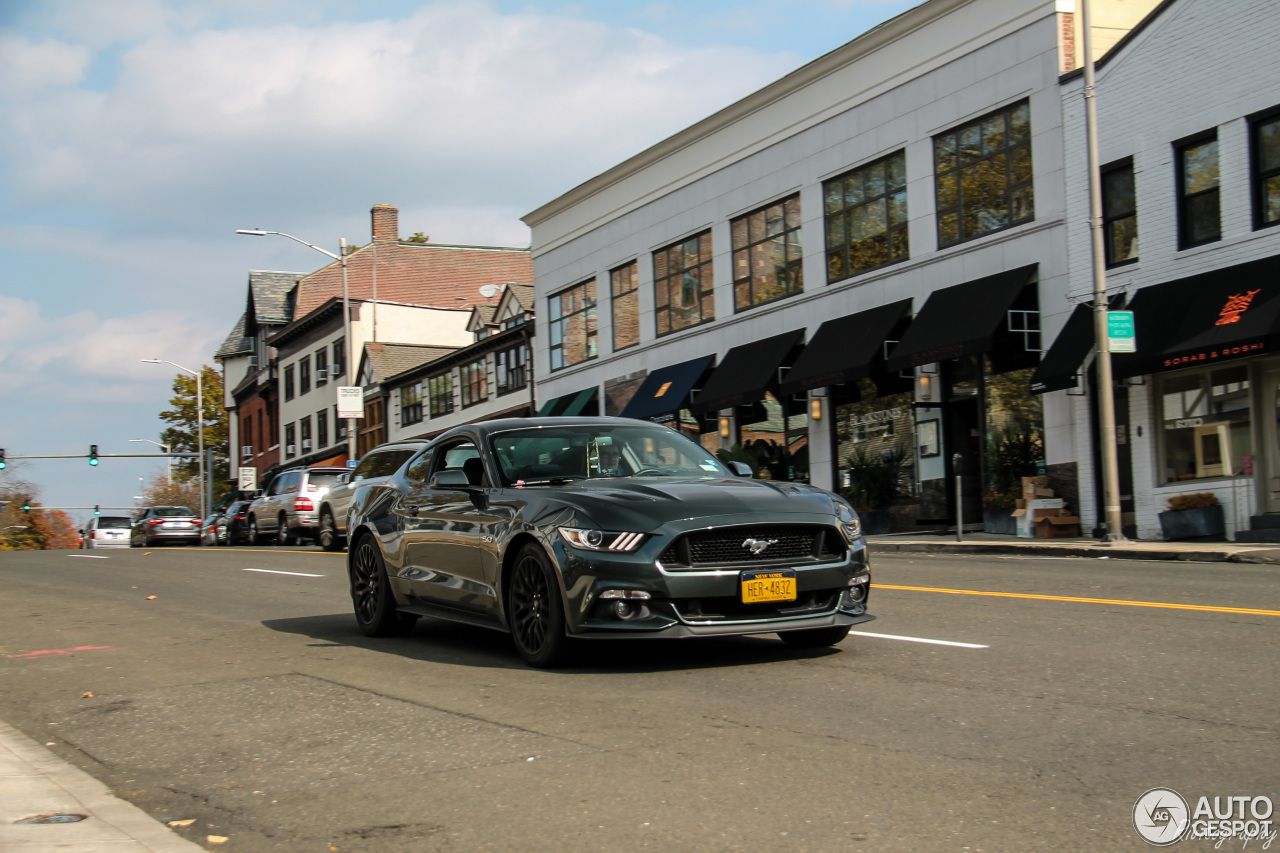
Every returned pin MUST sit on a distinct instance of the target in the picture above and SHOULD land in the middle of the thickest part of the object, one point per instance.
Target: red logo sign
(1236, 305)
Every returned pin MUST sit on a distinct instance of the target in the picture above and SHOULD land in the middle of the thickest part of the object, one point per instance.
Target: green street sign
(1120, 331)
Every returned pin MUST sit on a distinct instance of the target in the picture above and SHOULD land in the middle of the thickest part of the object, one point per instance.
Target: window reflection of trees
(983, 175)
(683, 286)
(866, 217)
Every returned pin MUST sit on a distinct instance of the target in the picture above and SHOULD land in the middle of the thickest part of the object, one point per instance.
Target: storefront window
(1014, 435)
(875, 448)
(777, 442)
(1206, 424)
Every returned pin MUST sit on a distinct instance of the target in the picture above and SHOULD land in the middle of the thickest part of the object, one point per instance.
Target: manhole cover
(55, 818)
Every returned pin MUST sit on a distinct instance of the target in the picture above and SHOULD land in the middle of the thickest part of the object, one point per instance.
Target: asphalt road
(1024, 710)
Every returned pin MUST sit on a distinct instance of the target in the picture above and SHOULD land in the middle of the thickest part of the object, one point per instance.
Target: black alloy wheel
(535, 610)
(328, 536)
(371, 596)
(813, 638)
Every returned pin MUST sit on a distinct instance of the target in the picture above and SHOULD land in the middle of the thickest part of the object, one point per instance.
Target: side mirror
(81, 532)
(453, 477)
(742, 469)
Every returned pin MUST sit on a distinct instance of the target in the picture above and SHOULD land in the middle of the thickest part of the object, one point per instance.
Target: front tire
(814, 638)
(375, 606)
(535, 611)
(328, 536)
(255, 538)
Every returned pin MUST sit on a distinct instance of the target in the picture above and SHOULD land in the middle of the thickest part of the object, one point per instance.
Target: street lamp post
(341, 258)
(168, 462)
(199, 423)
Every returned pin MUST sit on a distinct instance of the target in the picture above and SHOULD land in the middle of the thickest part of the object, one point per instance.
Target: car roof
(503, 424)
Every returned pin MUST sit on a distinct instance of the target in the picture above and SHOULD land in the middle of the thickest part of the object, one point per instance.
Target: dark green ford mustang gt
(560, 528)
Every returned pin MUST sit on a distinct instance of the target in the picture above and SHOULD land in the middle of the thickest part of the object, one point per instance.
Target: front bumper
(704, 603)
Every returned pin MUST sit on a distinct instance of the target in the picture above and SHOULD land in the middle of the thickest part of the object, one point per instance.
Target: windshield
(317, 480)
(562, 453)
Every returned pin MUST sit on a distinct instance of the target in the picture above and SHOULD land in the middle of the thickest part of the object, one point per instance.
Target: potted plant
(874, 482)
(1193, 516)
(1012, 453)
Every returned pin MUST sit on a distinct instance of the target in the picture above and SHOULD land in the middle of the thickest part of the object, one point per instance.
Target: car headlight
(850, 526)
(600, 540)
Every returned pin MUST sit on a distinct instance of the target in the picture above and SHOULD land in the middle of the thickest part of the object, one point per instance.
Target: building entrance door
(1267, 475)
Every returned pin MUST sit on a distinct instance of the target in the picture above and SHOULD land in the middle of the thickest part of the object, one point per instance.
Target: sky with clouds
(136, 136)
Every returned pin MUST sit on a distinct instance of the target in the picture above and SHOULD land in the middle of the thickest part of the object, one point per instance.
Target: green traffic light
(93, 454)
(95, 510)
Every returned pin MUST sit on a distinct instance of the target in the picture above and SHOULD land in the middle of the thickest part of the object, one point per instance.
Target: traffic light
(93, 454)
(26, 505)
(2, 462)
(95, 510)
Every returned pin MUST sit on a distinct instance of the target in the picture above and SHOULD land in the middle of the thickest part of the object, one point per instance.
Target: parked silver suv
(288, 508)
(376, 466)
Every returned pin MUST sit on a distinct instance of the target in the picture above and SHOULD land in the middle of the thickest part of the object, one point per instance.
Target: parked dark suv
(288, 508)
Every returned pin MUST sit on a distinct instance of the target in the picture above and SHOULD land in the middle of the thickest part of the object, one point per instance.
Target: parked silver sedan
(376, 467)
(160, 524)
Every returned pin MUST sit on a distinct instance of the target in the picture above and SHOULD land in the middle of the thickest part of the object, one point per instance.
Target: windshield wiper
(550, 481)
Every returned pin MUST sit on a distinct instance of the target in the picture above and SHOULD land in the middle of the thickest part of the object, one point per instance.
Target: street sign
(248, 479)
(350, 401)
(1120, 331)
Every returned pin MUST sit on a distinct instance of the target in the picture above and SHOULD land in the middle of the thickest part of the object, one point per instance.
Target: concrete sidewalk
(994, 543)
(84, 815)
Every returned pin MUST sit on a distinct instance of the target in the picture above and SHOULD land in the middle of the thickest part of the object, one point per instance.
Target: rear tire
(371, 596)
(814, 638)
(282, 532)
(535, 611)
(328, 536)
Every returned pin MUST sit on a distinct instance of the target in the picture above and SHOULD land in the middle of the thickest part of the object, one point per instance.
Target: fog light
(626, 611)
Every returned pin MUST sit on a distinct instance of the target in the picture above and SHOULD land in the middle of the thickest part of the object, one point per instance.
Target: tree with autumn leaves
(33, 529)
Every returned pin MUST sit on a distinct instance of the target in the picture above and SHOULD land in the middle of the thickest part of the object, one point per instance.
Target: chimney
(386, 222)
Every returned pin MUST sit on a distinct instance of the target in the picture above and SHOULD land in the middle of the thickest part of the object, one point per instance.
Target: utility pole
(1106, 395)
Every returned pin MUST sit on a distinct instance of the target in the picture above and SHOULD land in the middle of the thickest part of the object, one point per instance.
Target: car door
(443, 528)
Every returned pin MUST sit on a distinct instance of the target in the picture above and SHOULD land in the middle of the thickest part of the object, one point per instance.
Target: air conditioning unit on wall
(322, 375)
(246, 451)
(306, 444)
(291, 451)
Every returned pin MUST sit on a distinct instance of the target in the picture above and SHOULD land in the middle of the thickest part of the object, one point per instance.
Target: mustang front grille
(764, 545)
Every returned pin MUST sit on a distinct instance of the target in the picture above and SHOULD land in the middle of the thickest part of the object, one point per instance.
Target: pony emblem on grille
(757, 546)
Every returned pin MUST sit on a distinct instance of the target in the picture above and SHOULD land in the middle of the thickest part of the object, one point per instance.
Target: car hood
(646, 504)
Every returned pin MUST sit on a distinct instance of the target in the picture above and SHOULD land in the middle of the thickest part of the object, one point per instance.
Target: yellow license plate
(759, 587)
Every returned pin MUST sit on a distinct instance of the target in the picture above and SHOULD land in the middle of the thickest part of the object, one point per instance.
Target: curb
(1259, 556)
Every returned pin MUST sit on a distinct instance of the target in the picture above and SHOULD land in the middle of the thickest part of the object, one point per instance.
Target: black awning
(960, 320)
(665, 391)
(845, 349)
(570, 405)
(746, 372)
(1215, 316)
(1061, 363)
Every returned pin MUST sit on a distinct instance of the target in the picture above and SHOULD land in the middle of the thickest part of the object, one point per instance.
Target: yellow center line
(1162, 604)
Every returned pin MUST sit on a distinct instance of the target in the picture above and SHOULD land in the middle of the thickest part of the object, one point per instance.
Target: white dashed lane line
(295, 574)
(919, 640)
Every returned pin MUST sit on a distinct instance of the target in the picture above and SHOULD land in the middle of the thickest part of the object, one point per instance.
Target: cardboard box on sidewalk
(1026, 517)
(1058, 527)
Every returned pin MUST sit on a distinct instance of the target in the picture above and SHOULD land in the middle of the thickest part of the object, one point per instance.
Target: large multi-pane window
(983, 175)
(510, 369)
(288, 382)
(572, 325)
(322, 428)
(304, 374)
(624, 284)
(474, 377)
(768, 262)
(1206, 424)
(866, 217)
(411, 404)
(440, 390)
(682, 284)
(1119, 214)
(1199, 221)
(1265, 135)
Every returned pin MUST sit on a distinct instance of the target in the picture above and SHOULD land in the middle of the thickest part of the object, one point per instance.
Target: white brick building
(1189, 113)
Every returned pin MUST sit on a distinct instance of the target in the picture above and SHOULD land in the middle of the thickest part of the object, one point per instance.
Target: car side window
(462, 456)
(420, 468)
(367, 466)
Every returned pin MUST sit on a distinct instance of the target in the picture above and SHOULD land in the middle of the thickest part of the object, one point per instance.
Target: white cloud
(28, 68)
